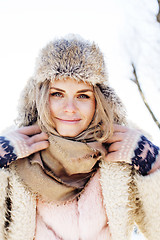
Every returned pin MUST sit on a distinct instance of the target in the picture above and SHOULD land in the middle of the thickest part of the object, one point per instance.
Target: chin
(70, 133)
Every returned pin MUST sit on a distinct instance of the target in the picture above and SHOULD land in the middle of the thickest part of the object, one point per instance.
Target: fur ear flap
(114, 102)
(27, 110)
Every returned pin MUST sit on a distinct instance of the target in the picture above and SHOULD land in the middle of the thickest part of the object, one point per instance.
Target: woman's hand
(122, 144)
(28, 140)
(21, 143)
(130, 146)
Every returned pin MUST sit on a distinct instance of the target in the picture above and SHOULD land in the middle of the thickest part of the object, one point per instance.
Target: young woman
(73, 169)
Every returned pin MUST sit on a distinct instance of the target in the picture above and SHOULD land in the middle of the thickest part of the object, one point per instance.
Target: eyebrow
(58, 89)
(80, 91)
(85, 90)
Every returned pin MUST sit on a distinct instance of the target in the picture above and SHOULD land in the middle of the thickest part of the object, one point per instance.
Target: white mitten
(130, 146)
(20, 143)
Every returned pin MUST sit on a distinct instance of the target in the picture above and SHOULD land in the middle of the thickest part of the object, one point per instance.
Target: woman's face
(72, 106)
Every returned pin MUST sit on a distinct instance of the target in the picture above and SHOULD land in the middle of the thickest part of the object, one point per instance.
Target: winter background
(126, 31)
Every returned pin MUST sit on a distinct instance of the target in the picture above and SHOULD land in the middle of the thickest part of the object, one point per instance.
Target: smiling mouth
(69, 120)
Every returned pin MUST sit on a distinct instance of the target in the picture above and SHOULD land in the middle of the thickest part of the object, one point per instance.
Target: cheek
(89, 110)
(54, 107)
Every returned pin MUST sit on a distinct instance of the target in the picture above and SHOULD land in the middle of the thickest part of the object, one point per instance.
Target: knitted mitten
(7, 154)
(135, 149)
(145, 155)
(20, 143)
(11, 148)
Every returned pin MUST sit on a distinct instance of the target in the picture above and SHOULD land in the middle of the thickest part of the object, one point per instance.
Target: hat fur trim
(72, 57)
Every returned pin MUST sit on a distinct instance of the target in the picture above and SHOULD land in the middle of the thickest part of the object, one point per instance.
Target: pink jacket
(84, 219)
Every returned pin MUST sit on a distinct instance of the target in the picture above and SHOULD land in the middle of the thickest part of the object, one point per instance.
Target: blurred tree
(158, 15)
(136, 81)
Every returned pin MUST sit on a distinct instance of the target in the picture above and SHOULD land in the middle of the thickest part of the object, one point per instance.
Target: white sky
(126, 32)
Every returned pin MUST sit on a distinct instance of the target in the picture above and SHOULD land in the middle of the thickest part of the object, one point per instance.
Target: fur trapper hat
(68, 57)
(72, 57)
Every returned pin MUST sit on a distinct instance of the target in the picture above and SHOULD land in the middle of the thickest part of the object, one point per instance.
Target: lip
(69, 120)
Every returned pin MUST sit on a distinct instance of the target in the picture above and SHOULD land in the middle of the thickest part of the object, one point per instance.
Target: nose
(70, 105)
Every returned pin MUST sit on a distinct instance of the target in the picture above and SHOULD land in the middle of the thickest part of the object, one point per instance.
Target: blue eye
(83, 96)
(56, 94)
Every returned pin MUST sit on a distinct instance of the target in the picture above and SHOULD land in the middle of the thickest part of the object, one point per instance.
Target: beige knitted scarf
(61, 172)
